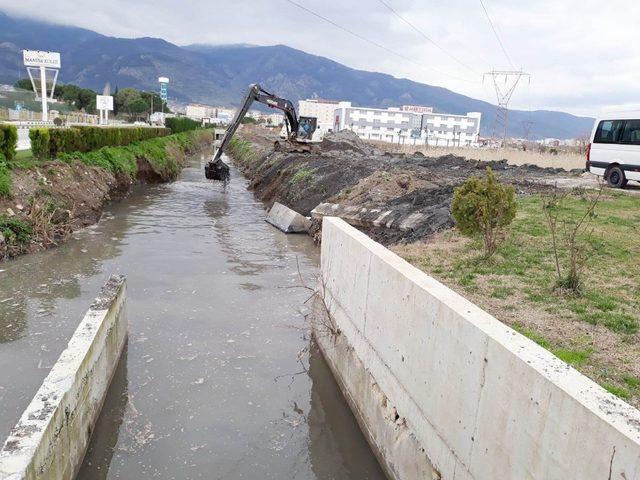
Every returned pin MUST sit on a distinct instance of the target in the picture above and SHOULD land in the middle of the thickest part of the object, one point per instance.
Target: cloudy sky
(582, 54)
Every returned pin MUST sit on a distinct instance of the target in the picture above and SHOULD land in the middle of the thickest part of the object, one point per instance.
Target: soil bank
(51, 199)
(347, 171)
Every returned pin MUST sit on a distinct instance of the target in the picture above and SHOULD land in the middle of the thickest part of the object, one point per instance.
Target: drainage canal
(219, 378)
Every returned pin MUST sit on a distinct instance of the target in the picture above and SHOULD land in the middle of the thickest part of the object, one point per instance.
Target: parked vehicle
(614, 151)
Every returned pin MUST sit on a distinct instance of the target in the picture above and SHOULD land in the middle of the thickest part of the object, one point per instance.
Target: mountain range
(219, 75)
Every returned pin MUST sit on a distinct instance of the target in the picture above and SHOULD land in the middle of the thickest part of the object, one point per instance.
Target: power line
(427, 37)
(495, 32)
(372, 42)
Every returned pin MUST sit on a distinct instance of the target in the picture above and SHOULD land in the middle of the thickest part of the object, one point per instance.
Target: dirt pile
(403, 197)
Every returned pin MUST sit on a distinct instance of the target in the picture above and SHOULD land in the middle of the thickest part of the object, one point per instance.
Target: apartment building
(410, 124)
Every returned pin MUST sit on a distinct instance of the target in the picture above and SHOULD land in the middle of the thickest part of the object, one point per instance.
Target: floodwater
(219, 378)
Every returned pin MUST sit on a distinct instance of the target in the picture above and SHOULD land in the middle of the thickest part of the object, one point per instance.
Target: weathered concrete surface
(481, 401)
(396, 447)
(287, 220)
(50, 438)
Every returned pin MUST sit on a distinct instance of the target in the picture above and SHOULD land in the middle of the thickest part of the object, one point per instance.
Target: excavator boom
(216, 169)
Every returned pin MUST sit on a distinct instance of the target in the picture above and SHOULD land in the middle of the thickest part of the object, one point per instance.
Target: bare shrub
(570, 234)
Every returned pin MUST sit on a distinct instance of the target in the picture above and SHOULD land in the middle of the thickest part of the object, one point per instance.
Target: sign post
(164, 81)
(104, 104)
(42, 60)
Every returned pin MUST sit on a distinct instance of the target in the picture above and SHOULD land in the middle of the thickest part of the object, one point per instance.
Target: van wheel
(616, 178)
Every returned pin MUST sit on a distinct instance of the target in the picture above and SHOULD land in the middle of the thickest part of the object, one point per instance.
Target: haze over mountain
(219, 75)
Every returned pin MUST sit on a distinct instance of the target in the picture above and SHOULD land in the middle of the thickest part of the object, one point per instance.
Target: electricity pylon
(526, 128)
(504, 91)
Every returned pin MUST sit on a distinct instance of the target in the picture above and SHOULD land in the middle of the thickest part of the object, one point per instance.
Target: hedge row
(50, 142)
(181, 124)
(8, 141)
(160, 153)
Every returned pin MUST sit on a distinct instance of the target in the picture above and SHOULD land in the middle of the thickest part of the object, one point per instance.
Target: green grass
(124, 159)
(15, 231)
(526, 259)
(24, 159)
(574, 357)
(302, 174)
(5, 178)
(242, 151)
(619, 392)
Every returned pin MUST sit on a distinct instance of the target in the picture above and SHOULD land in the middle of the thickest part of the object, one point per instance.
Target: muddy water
(217, 380)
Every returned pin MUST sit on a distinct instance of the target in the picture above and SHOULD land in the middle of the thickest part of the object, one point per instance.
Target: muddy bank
(51, 199)
(394, 197)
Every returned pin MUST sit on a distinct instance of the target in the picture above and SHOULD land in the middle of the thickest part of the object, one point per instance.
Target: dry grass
(596, 332)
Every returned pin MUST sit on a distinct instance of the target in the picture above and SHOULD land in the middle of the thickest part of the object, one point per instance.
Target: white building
(198, 112)
(412, 125)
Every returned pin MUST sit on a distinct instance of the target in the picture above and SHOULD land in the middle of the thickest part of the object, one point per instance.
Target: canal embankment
(48, 199)
(219, 378)
(436, 381)
(50, 439)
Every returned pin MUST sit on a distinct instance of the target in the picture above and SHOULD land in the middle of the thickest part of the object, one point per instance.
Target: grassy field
(595, 330)
(565, 160)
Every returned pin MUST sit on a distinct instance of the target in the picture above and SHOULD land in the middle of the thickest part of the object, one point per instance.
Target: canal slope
(50, 199)
(219, 379)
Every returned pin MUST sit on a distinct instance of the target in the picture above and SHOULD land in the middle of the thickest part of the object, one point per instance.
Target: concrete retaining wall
(51, 437)
(433, 379)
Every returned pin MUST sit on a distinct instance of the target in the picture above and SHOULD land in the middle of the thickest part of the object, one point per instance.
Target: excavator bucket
(217, 170)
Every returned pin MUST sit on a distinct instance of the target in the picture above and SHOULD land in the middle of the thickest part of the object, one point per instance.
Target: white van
(614, 151)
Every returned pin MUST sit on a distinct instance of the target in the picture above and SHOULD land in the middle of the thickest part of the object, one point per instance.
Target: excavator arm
(216, 169)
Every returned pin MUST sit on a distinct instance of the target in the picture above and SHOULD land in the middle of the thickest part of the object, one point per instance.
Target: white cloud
(581, 53)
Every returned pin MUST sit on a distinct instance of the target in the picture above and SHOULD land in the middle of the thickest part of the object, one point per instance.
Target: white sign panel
(163, 80)
(104, 102)
(37, 58)
(417, 109)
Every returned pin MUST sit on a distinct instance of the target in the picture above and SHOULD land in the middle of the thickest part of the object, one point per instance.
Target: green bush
(181, 124)
(5, 179)
(484, 206)
(88, 139)
(8, 141)
(39, 142)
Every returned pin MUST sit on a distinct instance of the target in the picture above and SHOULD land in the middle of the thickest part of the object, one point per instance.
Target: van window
(631, 134)
(609, 131)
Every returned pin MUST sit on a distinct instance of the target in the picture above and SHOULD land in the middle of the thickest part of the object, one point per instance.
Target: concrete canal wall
(51, 437)
(444, 390)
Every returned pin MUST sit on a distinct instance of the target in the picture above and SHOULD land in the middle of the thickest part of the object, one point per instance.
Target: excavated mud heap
(343, 169)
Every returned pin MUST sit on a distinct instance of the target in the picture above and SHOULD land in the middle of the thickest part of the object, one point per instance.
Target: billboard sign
(417, 109)
(37, 58)
(104, 102)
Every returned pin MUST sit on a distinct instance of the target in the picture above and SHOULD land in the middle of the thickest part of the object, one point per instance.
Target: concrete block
(51, 437)
(287, 220)
(479, 400)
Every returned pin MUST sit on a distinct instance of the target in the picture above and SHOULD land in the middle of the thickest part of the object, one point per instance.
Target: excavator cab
(307, 127)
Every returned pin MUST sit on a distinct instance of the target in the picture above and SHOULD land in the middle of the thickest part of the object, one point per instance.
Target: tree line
(128, 102)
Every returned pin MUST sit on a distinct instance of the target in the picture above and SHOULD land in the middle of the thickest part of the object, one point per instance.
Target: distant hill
(220, 74)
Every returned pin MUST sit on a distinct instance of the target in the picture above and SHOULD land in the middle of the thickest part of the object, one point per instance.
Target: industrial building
(323, 110)
(409, 124)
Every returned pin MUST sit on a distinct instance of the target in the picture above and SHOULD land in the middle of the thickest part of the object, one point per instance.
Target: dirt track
(347, 171)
